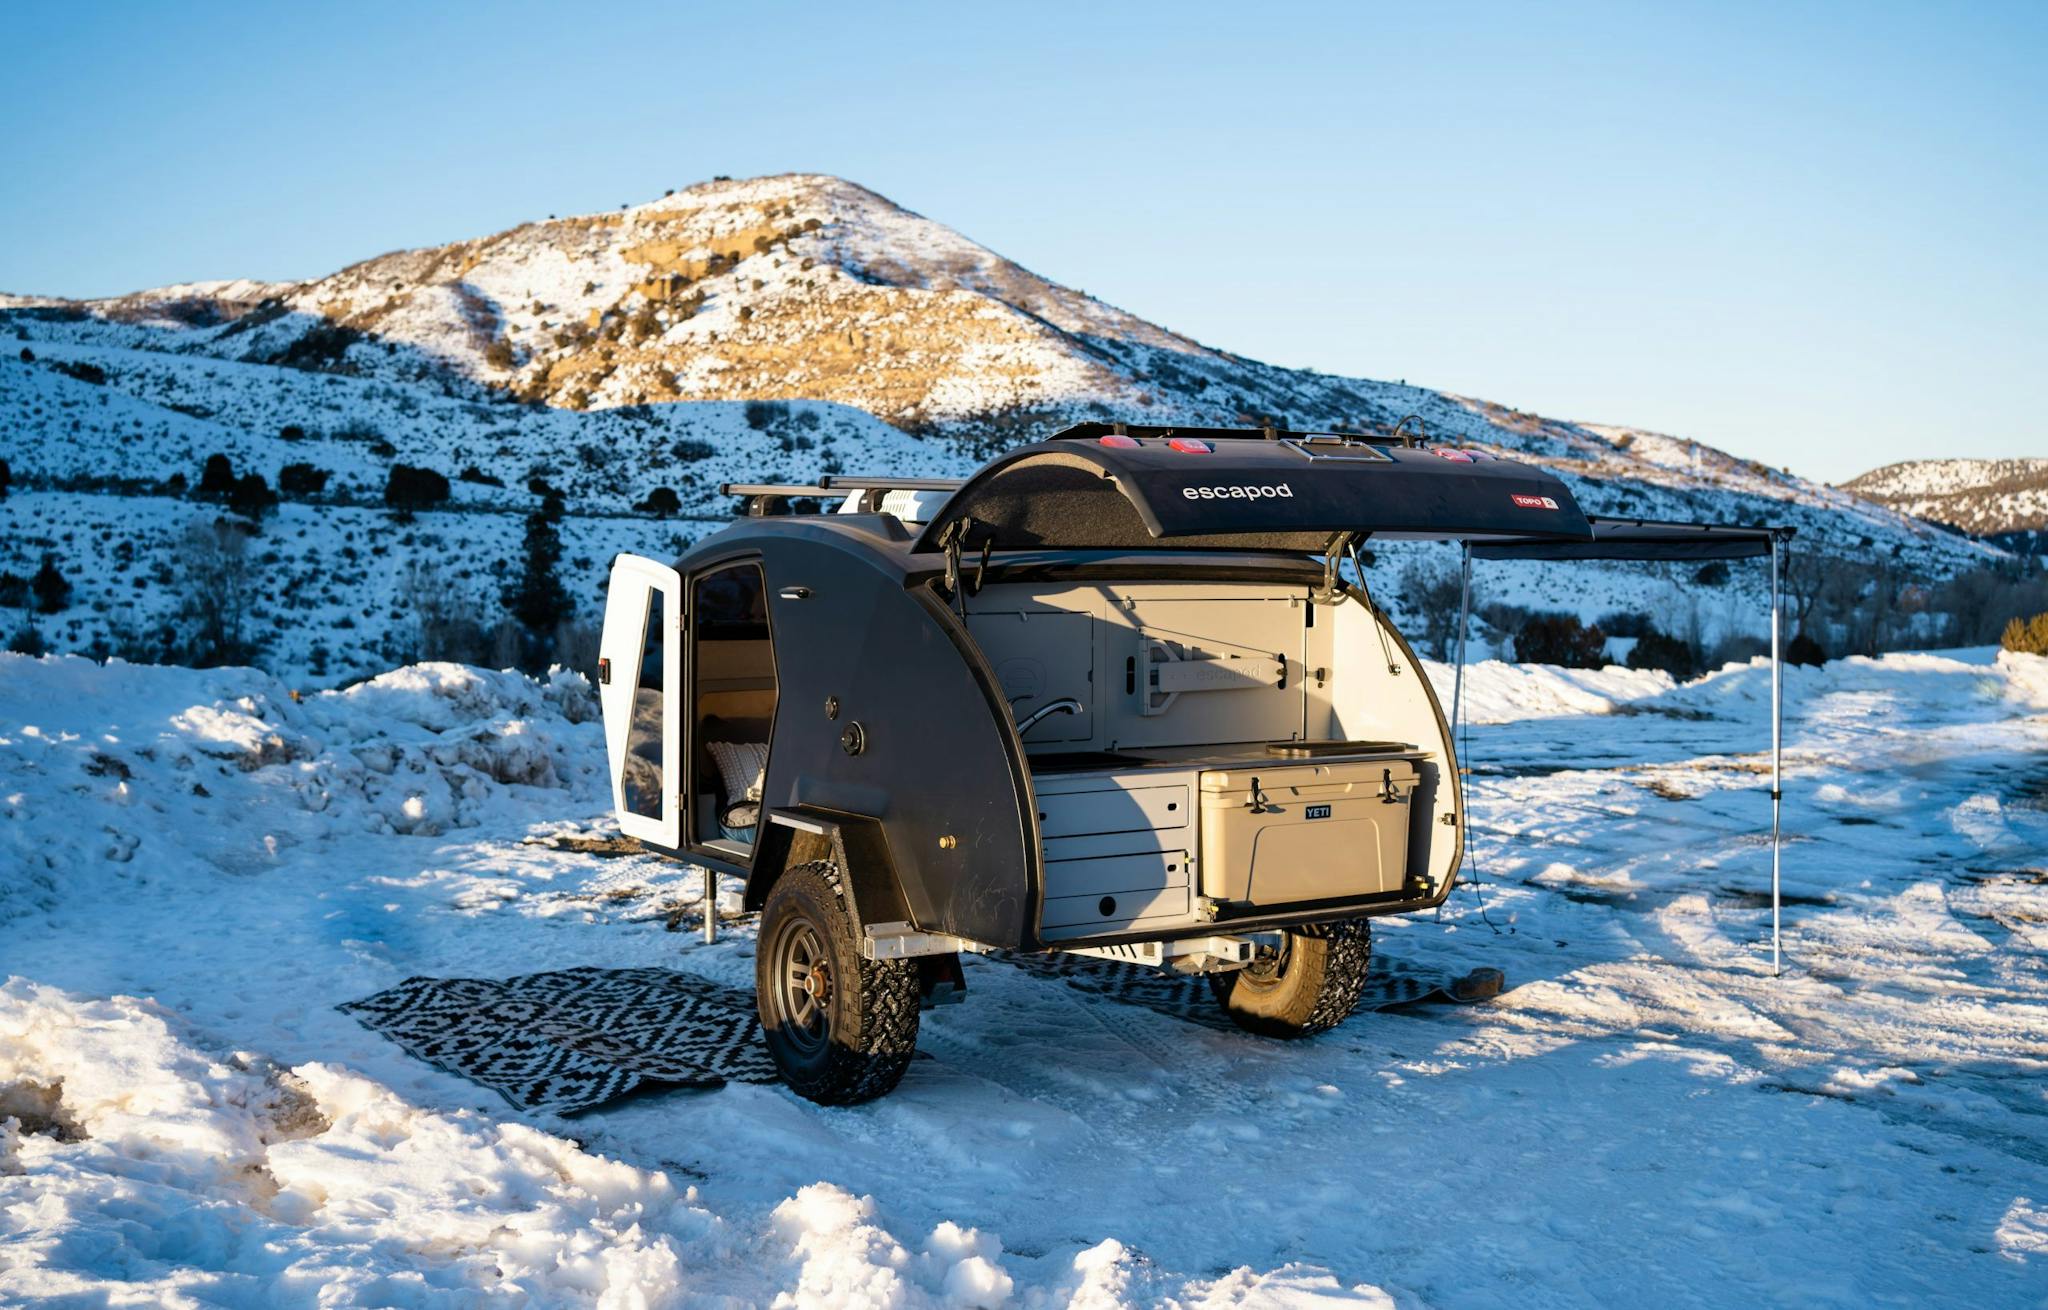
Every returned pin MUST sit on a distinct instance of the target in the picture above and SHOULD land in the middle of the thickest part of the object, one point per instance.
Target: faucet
(1064, 705)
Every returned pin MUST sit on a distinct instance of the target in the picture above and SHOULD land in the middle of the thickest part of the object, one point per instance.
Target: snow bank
(151, 767)
(176, 1176)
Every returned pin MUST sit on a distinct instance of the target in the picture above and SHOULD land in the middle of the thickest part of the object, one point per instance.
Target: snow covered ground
(195, 869)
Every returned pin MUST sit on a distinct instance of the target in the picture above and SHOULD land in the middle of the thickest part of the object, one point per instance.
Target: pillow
(741, 764)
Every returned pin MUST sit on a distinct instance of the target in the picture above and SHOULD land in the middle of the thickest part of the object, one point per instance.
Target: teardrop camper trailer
(1111, 695)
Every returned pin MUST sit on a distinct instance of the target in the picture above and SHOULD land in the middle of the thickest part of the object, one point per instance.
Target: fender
(799, 834)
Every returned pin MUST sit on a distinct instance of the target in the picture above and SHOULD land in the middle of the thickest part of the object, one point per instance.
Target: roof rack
(766, 498)
(1408, 432)
(832, 482)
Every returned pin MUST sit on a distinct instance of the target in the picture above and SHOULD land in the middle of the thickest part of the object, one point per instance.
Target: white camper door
(640, 676)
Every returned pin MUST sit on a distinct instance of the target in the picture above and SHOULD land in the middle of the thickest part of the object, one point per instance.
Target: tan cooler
(1277, 833)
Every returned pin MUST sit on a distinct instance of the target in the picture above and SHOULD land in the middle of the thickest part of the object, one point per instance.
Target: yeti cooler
(1274, 834)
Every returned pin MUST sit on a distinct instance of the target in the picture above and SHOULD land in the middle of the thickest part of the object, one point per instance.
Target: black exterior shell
(859, 622)
(1248, 493)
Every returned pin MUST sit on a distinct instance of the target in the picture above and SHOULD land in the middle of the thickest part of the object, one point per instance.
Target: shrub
(300, 480)
(1714, 574)
(291, 432)
(216, 478)
(690, 448)
(27, 356)
(1562, 640)
(83, 371)
(662, 501)
(1627, 623)
(499, 354)
(411, 488)
(252, 496)
(6, 478)
(1657, 650)
(13, 591)
(28, 641)
(478, 476)
(761, 413)
(1803, 649)
(2028, 636)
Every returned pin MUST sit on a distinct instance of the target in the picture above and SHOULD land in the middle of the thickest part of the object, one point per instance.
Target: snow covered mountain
(1986, 497)
(612, 354)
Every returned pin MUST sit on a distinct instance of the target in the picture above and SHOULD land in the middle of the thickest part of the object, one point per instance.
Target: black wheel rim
(1266, 971)
(803, 986)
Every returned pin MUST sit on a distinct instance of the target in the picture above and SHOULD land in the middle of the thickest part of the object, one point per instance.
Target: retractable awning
(1653, 539)
(1643, 539)
(1098, 487)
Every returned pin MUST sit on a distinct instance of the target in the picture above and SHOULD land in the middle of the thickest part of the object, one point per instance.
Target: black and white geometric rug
(567, 1041)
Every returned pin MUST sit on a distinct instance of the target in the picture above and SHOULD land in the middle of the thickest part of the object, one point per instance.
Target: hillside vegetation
(414, 413)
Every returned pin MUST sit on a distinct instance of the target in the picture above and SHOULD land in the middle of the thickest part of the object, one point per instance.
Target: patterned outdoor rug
(567, 1041)
(1391, 984)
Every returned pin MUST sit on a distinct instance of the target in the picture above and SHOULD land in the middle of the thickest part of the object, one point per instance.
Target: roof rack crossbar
(835, 481)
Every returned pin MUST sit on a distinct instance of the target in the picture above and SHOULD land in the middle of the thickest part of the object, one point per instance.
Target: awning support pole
(710, 905)
(1777, 750)
(1464, 608)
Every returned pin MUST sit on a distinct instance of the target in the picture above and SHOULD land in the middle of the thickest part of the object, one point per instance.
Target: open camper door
(640, 681)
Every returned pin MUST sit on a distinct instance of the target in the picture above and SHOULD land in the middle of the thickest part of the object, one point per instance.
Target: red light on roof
(1189, 446)
(1119, 440)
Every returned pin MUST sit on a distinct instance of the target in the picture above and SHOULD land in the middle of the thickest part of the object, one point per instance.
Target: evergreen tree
(6, 478)
(52, 588)
(537, 598)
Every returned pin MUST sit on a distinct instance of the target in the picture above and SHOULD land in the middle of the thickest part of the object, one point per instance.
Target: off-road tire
(854, 1038)
(1310, 989)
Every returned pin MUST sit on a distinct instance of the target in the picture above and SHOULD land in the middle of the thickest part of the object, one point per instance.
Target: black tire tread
(1345, 948)
(873, 1061)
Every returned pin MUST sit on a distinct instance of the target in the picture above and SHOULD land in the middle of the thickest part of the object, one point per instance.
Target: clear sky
(1811, 235)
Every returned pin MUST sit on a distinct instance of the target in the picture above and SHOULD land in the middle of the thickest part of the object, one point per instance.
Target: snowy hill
(196, 868)
(1986, 497)
(610, 354)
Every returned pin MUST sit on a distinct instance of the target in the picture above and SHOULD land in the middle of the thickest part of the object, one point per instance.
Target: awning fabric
(1643, 539)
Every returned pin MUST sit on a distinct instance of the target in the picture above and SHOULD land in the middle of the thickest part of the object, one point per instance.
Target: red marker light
(1189, 446)
(1118, 440)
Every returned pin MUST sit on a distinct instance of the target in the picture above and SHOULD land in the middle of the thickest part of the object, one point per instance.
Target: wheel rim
(1266, 971)
(803, 986)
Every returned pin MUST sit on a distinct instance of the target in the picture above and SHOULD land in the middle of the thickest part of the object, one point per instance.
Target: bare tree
(1430, 592)
(445, 626)
(215, 586)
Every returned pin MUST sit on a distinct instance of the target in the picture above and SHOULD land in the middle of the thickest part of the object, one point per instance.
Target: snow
(195, 868)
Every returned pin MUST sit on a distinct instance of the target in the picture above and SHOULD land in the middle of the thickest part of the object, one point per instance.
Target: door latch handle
(795, 593)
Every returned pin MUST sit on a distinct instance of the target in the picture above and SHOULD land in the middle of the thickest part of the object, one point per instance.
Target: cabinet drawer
(1087, 916)
(1122, 809)
(1111, 874)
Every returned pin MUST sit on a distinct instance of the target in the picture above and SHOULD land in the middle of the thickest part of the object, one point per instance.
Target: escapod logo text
(1237, 493)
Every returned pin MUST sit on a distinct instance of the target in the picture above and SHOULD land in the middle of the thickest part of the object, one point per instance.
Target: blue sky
(1811, 235)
